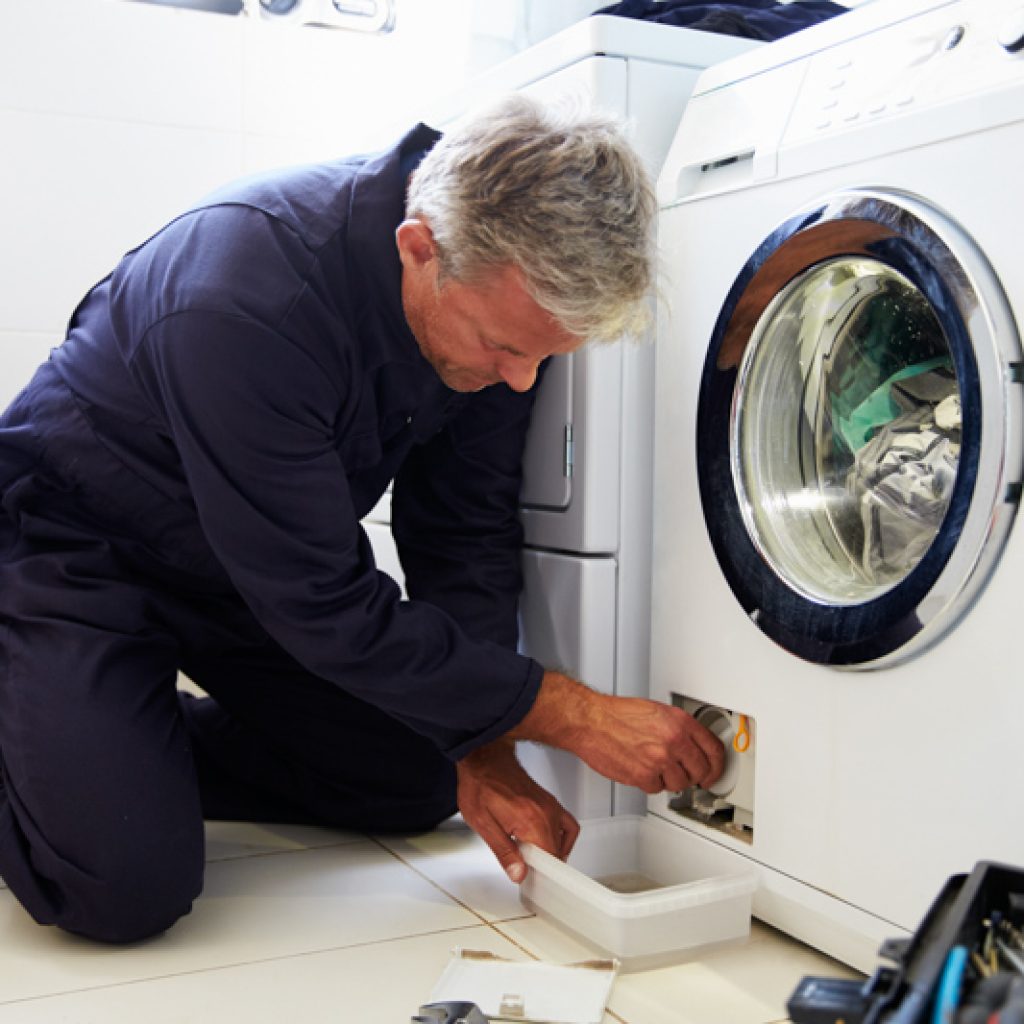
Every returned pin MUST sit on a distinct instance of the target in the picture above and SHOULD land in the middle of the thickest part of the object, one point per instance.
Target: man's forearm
(560, 713)
(627, 739)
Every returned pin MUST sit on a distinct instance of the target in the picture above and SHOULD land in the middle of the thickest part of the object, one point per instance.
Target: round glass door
(847, 432)
(853, 431)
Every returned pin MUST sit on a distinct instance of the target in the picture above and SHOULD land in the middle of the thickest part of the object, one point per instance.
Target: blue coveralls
(181, 486)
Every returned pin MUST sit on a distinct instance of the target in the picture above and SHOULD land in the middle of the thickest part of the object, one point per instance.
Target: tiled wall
(114, 116)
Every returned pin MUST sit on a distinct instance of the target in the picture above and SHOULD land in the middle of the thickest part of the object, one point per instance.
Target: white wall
(501, 28)
(114, 116)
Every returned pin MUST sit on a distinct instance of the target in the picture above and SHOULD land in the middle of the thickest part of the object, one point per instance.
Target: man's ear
(416, 245)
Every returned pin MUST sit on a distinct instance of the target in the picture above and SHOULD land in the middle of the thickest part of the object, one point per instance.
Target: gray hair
(559, 193)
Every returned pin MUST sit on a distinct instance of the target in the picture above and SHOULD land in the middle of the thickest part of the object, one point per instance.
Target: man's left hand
(503, 805)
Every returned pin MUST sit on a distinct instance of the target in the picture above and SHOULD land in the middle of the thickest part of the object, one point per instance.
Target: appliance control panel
(955, 51)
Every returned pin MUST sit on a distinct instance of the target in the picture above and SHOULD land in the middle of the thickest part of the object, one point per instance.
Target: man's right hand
(504, 806)
(637, 742)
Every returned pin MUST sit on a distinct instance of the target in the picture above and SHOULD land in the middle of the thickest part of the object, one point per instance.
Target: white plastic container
(638, 888)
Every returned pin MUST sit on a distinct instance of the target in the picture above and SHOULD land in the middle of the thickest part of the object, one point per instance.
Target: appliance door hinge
(570, 452)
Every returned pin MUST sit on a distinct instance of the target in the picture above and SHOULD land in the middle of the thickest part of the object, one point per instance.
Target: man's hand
(638, 742)
(501, 803)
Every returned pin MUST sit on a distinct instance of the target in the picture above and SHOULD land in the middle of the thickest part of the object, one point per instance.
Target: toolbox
(963, 965)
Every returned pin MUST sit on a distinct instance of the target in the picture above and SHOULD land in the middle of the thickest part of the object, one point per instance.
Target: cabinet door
(571, 464)
(384, 551)
(568, 623)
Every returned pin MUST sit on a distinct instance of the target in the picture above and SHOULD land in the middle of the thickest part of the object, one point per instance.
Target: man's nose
(519, 374)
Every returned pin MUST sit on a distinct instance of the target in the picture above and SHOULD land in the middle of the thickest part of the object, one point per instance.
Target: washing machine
(838, 561)
(586, 494)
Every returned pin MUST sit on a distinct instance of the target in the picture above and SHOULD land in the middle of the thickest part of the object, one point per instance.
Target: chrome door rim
(943, 262)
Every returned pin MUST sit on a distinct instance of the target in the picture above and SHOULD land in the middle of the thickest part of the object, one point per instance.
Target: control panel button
(953, 37)
(1011, 32)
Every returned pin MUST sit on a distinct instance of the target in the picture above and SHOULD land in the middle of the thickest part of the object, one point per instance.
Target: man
(181, 487)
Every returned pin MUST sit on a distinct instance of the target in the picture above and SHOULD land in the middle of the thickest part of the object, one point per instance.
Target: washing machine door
(859, 452)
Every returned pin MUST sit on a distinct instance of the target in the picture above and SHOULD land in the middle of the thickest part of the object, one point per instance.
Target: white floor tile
(318, 925)
(252, 908)
(383, 983)
(461, 863)
(747, 983)
(230, 839)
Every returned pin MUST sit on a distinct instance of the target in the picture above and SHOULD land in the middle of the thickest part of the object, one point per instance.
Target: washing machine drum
(858, 440)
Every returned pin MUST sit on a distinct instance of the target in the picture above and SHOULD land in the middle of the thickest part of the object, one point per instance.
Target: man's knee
(129, 901)
(118, 890)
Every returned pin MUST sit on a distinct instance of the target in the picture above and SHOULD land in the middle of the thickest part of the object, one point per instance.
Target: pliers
(450, 1013)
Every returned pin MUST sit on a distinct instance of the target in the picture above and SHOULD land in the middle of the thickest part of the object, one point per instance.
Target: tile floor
(311, 925)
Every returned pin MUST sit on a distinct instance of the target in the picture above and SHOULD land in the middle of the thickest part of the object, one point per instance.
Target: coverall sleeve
(455, 515)
(251, 416)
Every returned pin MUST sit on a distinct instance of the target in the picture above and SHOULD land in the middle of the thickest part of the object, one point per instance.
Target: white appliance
(359, 15)
(837, 574)
(586, 500)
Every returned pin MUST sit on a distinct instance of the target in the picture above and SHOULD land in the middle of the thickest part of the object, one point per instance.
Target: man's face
(478, 334)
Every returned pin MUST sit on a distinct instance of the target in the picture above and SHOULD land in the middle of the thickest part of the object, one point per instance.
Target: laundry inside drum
(846, 430)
